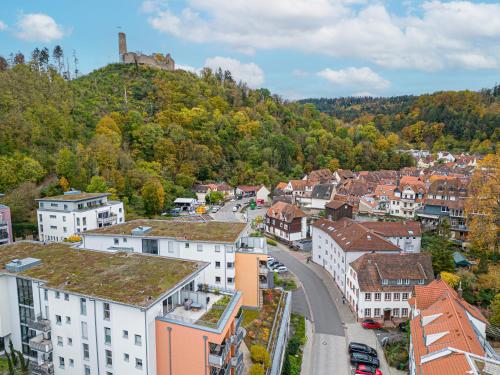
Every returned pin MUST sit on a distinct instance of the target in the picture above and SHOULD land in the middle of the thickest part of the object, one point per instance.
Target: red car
(367, 370)
(371, 324)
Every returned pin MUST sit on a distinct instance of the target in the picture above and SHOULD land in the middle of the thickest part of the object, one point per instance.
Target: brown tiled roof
(285, 212)
(299, 185)
(352, 236)
(372, 268)
(334, 204)
(320, 175)
(456, 204)
(248, 188)
(354, 187)
(345, 173)
(385, 190)
(394, 229)
(281, 185)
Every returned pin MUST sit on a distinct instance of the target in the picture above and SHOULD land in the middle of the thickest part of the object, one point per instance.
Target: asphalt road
(226, 212)
(324, 313)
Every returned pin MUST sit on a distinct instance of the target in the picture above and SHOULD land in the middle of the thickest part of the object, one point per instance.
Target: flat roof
(128, 278)
(211, 231)
(74, 197)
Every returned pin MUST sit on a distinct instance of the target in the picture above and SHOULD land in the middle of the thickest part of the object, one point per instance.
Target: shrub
(257, 369)
(74, 238)
(271, 242)
(450, 278)
(259, 354)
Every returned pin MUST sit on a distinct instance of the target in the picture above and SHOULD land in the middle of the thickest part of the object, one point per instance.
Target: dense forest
(148, 135)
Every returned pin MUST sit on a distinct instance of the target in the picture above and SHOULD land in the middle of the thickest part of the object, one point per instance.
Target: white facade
(86, 335)
(263, 193)
(404, 204)
(59, 219)
(221, 255)
(369, 304)
(409, 244)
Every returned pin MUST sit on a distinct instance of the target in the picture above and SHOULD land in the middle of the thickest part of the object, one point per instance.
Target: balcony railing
(45, 368)
(239, 336)
(41, 344)
(112, 219)
(263, 270)
(462, 228)
(237, 359)
(219, 359)
(41, 325)
(238, 321)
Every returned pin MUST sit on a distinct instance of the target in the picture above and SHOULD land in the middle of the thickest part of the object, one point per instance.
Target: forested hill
(451, 120)
(132, 130)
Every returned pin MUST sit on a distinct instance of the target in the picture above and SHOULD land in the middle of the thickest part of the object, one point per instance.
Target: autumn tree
(153, 196)
(97, 185)
(483, 205)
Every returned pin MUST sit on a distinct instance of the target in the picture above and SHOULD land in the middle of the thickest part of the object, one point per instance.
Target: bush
(271, 242)
(257, 369)
(260, 355)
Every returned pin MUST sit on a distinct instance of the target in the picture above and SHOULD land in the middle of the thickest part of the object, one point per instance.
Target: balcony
(237, 360)
(40, 344)
(263, 270)
(109, 220)
(218, 355)
(253, 245)
(461, 228)
(45, 368)
(237, 338)
(238, 320)
(41, 325)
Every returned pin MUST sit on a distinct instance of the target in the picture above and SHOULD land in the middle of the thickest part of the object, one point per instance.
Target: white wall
(408, 244)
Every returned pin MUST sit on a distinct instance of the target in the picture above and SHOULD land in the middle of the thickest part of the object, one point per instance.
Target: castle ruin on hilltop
(156, 60)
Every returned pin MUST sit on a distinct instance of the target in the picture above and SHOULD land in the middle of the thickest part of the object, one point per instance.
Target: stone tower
(122, 45)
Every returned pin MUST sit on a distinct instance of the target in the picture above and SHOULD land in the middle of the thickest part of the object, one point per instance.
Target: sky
(295, 48)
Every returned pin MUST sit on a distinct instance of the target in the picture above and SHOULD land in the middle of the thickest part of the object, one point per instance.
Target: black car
(356, 347)
(357, 358)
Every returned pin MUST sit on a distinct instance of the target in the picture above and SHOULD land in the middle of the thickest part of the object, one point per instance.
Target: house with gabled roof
(286, 221)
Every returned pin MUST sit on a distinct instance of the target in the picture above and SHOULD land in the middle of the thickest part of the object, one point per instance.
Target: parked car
(280, 269)
(361, 358)
(235, 209)
(363, 369)
(362, 348)
(215, 209)
(275, 264)
(371, 324)
(269, 258)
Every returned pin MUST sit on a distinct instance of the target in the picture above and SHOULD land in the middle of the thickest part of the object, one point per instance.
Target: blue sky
(296, 48)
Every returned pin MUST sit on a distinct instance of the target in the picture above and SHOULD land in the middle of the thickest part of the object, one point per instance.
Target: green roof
(211, 231)
(129, 278)
(74, 197)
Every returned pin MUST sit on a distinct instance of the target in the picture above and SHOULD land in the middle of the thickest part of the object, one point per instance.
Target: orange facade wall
(247, 276)
(188, 350)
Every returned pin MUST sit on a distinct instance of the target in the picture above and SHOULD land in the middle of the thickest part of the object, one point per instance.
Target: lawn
(212, 316)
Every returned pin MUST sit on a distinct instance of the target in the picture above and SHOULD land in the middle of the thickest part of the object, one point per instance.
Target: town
(386, 299)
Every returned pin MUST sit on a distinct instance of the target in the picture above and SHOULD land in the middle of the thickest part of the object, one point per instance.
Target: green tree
(97, 185)
(440, 249)
(66, 164)
(153, 196)
(495, 311)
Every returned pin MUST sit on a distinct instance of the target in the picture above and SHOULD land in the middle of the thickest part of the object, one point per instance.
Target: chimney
(122, 44)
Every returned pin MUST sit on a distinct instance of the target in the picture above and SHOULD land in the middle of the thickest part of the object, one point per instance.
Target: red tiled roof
(281, 185)
(285, 212)
(320, 175)
(352, 236)
(394, 229)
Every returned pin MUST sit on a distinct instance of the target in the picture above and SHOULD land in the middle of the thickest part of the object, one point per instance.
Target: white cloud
(437, 35)
(3, 26)
(250, 73)
(188, 68)
(38, 27)
(355, 78)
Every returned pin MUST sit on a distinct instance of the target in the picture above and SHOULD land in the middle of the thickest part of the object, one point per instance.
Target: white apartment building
(335, 244)
(235, 260)
(407, 235)
(380, 285)
(75, 311)
(62, 216)
(407, 197)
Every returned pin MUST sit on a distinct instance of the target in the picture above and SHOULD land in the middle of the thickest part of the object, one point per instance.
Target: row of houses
(259, 192)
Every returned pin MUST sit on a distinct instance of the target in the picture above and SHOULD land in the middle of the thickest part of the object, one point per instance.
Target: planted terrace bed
(212, 316)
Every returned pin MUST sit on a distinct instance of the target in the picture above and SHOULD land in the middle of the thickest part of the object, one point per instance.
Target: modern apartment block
(62, 216)
(5, 225)
(79, 311)
(236, 261)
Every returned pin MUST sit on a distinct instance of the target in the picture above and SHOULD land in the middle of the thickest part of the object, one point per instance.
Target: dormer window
(421, 281)
(385, 282)
(400, 281)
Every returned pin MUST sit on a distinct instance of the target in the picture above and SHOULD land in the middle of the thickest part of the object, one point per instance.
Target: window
(199, 247)
(376, 312)
(230, 265)
(70, 341)
(87, 370)
(377, 296)
(126, 357)
(59, 341)
(52, 216)
(395, 312)
(107, 335)
(217, 279)
(71, 362)
(396, 296)
(58, 320)
(86, 353)
(217, 248)
(368, 313)
(387, 296)
(116, 241)
(400, 281)
(404, 312)
(230, 280)
(45, 294)
(186, 245)
(107, 312)
(68, 320)
(405, 296)
(125, 334)
(138, 340)
(217, 264)
(109, 358)
(124, 239)
(170, 247)
(138, 363)
(83, 306)
(368, 296)
(65, 230)
(407, 281)
(61, 362)
(109, 373)
(77, 221)
(421, 281)
(84, 221)
(64, 218)
(385, 282)
(58, 295)
(85, 333)
(149, 246)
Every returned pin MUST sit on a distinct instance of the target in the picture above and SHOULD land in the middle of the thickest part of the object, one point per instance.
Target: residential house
(337, 209)
(286, 221)
(379, 285)
(299, 189)
(258, 192)
(407, 235)
(446, 156)
(408, 197)
(383, 195)
(321, 194)
(447, 334)
(6, 235)
(75, 212)
(341, 175)
(202, 191)
(321, 176)
(185, 204)
(235, 260)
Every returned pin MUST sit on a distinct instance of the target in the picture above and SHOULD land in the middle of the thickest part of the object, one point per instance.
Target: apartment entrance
(387, 314)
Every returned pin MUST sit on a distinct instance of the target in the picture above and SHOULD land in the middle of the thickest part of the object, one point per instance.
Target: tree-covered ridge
(451, 120)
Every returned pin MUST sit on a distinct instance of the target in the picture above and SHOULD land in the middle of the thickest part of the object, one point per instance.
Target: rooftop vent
(20, 265)
(140, 230)
(72, 191)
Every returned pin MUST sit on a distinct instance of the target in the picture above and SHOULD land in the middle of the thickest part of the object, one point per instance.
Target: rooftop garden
(212, 316)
